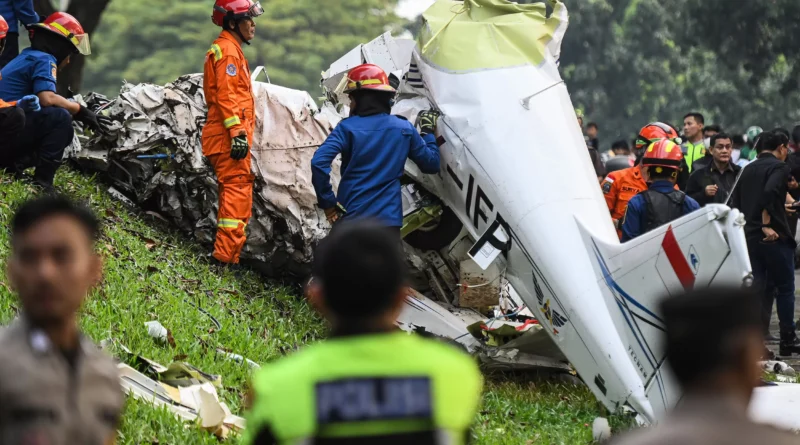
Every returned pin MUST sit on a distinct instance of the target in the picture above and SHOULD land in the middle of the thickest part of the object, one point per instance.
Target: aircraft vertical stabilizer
(691, 252)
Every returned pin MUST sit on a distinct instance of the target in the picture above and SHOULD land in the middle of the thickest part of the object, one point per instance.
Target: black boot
(45, 174)
(789, 344)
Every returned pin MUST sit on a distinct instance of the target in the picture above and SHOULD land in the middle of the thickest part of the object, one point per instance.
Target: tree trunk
(88, 12)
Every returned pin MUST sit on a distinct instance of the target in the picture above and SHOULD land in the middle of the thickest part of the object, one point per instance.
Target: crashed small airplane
(515, 218)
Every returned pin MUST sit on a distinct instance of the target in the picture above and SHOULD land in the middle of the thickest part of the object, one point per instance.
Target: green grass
(154, 273)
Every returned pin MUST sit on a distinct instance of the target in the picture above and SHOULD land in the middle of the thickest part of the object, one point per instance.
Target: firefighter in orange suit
(622, 185)
(228, 133)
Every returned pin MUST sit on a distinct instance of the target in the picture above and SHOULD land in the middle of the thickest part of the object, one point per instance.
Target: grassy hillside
(153, 273)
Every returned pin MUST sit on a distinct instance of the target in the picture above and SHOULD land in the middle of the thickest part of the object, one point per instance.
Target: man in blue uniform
(48, 132)
(660, 203)
(15, 11)
(374, 146)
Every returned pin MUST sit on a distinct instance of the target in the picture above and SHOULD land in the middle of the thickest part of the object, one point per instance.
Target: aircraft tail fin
(703, 248)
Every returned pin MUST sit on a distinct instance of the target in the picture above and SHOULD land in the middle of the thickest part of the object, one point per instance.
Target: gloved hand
(427, 121)
(239, 147)
(333, 214)
(88, 118)
(29, 103)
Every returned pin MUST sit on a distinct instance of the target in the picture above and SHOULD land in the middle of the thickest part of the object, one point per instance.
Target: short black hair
(782, 131)
(704, 330)
(770, 141)
(738, 140)
(34, 211)
(796, 134)
(719, 136)
(621, 144)
(697, 117)
(360, 267)
(712, 127)
(591, 124)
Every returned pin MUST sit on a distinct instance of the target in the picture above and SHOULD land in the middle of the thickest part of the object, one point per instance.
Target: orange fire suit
(619, 187)
(231, 113)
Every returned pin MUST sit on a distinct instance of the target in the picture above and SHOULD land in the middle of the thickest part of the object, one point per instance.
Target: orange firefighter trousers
(235, 204)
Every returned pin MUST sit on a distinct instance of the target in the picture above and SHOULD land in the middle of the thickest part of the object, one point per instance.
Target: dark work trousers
(47, 134)
(12, 123)
(11, 50)
(773, 278)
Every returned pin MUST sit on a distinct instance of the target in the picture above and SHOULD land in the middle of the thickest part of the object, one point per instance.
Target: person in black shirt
(712, 183)
(761, 197)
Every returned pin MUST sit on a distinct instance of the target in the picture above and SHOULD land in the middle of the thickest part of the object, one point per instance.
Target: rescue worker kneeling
(660, 203)
(370, 383)
(48, 132)
(228, 133)
(374, 146)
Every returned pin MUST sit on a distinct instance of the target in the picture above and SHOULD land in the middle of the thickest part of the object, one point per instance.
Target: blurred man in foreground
(370, 383)
(56, 387)
(713, 343)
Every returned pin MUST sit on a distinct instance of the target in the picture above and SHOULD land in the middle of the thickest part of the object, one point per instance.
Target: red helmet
(3, 27)
(663, 153)
(235, 10)
(68, 27)
(655, 131)
(368, 77)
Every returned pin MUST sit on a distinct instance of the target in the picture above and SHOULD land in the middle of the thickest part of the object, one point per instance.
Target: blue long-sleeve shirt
(636, 214)
(374, 150)
(15, 11)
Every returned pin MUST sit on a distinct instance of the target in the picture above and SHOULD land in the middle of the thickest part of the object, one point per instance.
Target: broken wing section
(691, 252)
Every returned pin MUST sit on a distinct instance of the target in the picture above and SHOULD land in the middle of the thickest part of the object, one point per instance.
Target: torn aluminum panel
(153, 154)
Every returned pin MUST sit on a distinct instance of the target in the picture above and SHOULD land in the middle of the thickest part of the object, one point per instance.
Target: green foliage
(629, 62)
(157, 41)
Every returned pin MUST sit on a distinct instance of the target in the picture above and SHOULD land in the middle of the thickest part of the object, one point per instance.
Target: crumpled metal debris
(152, 153)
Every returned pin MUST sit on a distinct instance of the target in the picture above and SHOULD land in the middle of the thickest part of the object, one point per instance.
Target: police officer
(370, 382)
(48, 132)
(660, 203)
(374, 146)
(56, 387)
(228, 133)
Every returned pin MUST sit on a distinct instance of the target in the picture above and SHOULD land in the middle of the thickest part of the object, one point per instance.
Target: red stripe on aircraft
(678, 260)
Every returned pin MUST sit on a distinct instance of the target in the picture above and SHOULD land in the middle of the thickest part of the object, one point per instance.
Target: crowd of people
(668, 175)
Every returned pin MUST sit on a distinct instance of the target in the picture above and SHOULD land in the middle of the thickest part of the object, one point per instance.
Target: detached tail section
(703, 248)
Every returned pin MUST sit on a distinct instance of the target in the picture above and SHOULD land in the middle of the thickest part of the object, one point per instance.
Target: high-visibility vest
(378, 388)
(693, 152)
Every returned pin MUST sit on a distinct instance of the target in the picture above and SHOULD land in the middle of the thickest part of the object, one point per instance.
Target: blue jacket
(374, 150)
(636, 214)
(18, 11)
(31, 72)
